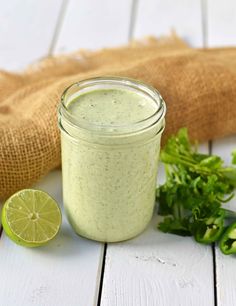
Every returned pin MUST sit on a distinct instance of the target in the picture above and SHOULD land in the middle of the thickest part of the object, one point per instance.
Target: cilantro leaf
(196, 187)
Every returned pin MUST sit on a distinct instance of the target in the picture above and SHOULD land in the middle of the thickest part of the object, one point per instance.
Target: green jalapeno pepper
(228, 240)
(210, 230)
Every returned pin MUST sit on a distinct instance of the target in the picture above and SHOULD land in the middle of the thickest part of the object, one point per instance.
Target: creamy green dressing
(109, 190)
(113, 107)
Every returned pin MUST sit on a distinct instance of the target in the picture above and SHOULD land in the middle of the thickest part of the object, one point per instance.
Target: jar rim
(140, 86)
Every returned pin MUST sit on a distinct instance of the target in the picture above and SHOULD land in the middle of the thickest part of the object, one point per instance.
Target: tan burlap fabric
(199, 87)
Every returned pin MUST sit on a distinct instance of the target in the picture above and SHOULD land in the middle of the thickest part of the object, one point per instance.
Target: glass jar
(109, 171)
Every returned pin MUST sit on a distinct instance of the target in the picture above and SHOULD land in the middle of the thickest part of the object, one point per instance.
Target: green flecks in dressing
(109, 191)
(112, 107)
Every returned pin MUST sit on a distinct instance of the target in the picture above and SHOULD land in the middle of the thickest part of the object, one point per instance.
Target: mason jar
(111, 129)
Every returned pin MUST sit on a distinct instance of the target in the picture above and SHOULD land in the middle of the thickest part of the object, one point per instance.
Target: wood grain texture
(158, 269)
(94, 24)
(26, 31)
(158, 17)
(65, 272)
(221, 23)
(225, 265)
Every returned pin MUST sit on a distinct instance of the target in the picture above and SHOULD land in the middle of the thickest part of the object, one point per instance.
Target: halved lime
(31, 217)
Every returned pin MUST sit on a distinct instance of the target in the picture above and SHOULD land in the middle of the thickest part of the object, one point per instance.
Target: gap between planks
(50, 51)
(204, 23)
(102, 272)
(133, 14)
(213, 247)
(56, 33)
(58, 26)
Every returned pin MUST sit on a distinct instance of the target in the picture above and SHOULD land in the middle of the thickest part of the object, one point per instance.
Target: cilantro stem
(196, 187)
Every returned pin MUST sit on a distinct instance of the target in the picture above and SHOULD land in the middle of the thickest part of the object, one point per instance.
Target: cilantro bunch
(196, 187)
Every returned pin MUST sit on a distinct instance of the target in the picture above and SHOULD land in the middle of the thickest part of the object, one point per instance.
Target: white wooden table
(154, 269)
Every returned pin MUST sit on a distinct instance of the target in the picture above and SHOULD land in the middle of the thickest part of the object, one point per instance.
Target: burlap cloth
(199, 87)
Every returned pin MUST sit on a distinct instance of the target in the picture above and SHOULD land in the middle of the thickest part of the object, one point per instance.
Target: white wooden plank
(225, 265)
(158, 269)
(221, 22)
(66, 272)
(158, 17)
(94, 24)
(26, 31)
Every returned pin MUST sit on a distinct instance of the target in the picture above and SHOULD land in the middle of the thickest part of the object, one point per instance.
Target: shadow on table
(67, 243)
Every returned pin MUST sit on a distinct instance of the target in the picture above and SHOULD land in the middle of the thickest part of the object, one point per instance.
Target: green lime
(31, 218)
